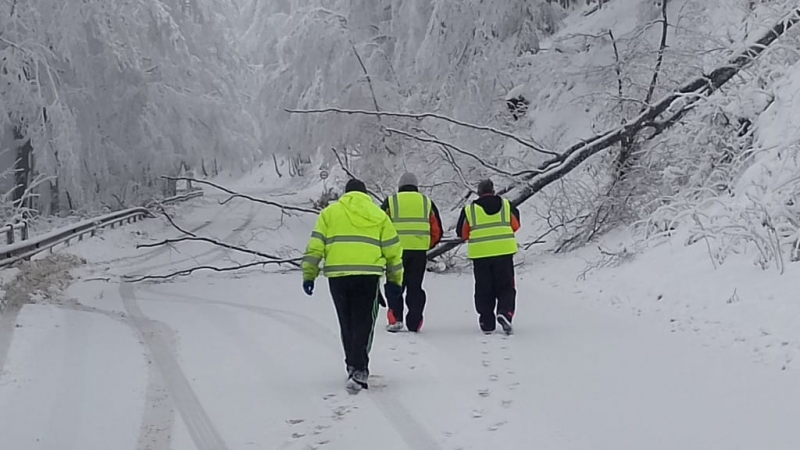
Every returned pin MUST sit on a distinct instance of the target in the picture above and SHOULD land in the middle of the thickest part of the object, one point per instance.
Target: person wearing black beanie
(359, 244)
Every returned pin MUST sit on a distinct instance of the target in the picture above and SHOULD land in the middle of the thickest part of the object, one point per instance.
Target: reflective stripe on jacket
(410, 213)
(354, 237)
(490, 235)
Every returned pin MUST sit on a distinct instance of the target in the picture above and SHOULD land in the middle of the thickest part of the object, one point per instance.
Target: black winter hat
(485, 187)
(355, 185)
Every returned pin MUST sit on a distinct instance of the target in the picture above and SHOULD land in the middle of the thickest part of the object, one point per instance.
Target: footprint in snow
(485, 363)
(494, 377)
(483, 393)
(497, 426)
(477, 413)
(297, 435)
(339, 412)
(506, 403)
(319, 429)
(295, 421)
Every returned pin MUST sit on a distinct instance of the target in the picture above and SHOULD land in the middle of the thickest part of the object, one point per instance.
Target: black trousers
(495, 289)
(414, 264)
(356, 301)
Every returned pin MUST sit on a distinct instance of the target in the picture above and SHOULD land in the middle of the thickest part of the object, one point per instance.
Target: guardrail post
(24, 230)
(10, 234)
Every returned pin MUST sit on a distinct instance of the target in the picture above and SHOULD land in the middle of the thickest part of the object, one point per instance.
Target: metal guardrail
(27, 248)
(11, 228)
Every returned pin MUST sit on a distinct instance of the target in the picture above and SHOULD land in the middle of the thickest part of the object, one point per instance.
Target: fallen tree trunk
(702, 86)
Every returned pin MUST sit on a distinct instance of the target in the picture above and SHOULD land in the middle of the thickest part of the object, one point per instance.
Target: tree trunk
(700, 87)
(22, 170)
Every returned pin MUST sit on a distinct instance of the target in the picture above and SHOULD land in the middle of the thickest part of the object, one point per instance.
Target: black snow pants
(495, 289)
(356, 301)
(414, 264)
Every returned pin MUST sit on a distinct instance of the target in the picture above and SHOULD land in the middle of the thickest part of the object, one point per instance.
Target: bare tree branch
(187, 272)
(248, 197)
(369, 80)
(662, 46)
(351, 174)
(190, 236)
(617, 67)
(421, 116)
(463, 152)
(690, 93)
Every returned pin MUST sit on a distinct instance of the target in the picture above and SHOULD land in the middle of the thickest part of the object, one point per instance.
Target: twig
(617, 64)
(463, 152)
(248, 197)
(187, 272)
(448, 156)
(421, 116)
(662, 46)
(351, 174)
(193, 237)
(369, 80)
(293, 261)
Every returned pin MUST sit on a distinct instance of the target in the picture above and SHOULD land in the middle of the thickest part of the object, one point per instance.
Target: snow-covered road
(247, 361)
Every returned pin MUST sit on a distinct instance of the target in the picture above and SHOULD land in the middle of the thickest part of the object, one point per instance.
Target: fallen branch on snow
(700, 87)
(187, 272)
(235, 194)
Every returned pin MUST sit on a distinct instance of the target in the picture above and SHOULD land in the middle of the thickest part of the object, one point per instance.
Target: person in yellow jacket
(359, 244)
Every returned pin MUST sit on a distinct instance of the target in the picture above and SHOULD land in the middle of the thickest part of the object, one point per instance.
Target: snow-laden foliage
(113, 95)
(417, 55)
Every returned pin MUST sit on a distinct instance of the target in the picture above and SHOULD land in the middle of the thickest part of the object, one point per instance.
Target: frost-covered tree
(109, 96)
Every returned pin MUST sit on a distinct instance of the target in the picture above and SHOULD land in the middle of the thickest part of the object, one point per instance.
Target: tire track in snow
(167, 385)
(228, 208)
(195, 417)
(415, 435)
(8, 322)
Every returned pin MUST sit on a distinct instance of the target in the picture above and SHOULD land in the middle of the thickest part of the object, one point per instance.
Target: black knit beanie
(355, 185)
(485, 187)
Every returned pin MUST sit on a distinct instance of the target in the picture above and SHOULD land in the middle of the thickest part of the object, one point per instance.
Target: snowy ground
(648, 355)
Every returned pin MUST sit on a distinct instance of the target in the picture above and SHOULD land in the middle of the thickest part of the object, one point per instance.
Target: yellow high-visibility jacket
(354, 237)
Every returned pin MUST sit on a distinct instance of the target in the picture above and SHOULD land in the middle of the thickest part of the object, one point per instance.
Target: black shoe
(505, 324)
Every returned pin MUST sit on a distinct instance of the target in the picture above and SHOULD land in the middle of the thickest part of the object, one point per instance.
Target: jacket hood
(491, 204)
(408, 188)
(361, 211)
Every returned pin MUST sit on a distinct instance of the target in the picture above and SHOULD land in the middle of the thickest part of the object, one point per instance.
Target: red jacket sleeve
(436, 230)
(514, 223)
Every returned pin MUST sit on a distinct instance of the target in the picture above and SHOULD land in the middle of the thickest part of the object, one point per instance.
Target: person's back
(419, 227)
(358, 243)
(488, 225)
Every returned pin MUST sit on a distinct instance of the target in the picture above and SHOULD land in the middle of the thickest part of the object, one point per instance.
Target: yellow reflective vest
(411, 215)
(490, 235)
(354, 237)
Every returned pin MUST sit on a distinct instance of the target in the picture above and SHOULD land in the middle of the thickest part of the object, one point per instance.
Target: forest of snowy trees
(101, 99)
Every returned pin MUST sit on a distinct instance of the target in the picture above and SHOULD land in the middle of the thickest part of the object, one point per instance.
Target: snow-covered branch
(234, 194)
(454, 147)
(690, 94)
(421, 116)
(191, 270)
(189, 236)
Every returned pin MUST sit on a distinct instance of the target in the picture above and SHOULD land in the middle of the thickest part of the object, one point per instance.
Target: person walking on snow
(358, 243)
(488, 225)
(419, 226)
